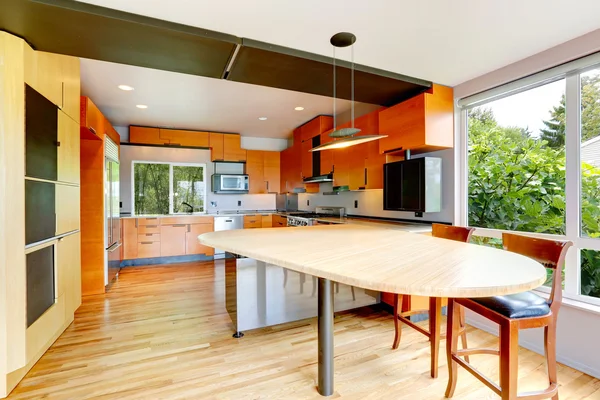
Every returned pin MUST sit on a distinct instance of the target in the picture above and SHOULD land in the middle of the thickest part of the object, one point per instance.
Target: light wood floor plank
(162, 332)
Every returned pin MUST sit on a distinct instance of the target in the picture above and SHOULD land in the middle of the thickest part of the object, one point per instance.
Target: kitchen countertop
(386, 260)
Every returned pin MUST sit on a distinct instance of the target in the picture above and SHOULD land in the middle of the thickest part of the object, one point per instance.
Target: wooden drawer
(144, 229)
(267, 221)
(186, 220)
(148, 249)
(149, 237)
(252, 221)
(148, 221)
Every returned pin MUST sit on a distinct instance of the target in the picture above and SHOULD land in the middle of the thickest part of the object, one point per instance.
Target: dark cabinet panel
(40, 211)
(40, 283)
(412, 194)
(41, 136)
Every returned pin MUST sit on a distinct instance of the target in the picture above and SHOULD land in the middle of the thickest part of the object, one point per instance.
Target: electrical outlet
(355, 203)
(419, 214)
(213, 203)
(239, 203)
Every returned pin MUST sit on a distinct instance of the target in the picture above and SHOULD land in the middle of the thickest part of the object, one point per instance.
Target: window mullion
(170, 188)
(573, 181)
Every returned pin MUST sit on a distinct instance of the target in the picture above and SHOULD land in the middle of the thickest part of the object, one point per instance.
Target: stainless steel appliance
(225, 223)
(287, 202)
(112, 227)
(231, 183)
(334, 215)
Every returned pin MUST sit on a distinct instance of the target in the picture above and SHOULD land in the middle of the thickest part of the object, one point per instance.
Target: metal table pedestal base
(325, 332)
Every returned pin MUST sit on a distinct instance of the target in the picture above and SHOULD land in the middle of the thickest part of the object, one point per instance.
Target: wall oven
(222, 183)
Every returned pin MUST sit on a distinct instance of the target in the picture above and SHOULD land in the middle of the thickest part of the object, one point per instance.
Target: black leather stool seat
(520, 305)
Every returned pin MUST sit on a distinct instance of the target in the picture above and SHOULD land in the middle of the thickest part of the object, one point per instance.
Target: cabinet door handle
(151, 226)
(57, 143)
(149, 234)
(136, 222)
(179, 225)
(189, 228)
(365, 176)
(93, 130)
(151, 218)
(146, 242)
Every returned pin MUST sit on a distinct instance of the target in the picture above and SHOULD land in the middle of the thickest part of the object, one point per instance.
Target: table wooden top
(386, 260)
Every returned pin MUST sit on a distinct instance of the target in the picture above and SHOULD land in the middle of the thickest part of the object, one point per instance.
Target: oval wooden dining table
(380, 259)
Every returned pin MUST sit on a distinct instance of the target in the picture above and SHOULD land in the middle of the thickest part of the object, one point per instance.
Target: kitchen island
(381, 260)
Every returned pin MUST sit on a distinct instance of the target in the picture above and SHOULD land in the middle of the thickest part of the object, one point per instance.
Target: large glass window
(167, 188)
(533, 165)
(516, 161)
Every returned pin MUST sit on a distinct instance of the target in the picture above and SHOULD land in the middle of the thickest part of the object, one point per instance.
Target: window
(531, 163)
(168, 188)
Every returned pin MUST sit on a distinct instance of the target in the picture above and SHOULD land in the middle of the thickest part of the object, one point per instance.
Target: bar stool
(456, 233)
(513, 312)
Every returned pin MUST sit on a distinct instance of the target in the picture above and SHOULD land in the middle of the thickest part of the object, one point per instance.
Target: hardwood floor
(163, 333)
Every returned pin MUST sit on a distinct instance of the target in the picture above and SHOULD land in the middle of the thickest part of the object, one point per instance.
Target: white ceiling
(444, 41)
(192, 102)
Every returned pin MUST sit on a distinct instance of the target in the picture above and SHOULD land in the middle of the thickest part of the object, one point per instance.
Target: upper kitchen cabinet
(145, 135)
(92, 120)
(315, 127)
(291, 165)
(421, 124)
(217, 149)
(226, 147)
(271, 164)
(232, 148)
(56, 77)
(177, 137)
(263, 170)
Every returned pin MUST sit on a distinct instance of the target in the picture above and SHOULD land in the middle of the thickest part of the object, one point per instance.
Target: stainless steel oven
(222, 183)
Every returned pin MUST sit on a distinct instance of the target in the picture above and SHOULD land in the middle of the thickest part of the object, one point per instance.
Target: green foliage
(518, 183)
(188, 187)
(554, 132)
(151, 193)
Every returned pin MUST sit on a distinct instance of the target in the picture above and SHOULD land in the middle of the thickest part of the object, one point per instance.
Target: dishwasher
(225, 223)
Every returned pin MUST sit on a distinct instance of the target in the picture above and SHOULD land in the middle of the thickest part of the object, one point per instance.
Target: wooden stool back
(458, 233)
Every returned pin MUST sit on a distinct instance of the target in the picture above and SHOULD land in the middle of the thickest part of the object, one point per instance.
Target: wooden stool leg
(550, 349)
(435, 318)
(397, 310)
(353, 294)
(452, 329)
(509, 360)
(463, 336)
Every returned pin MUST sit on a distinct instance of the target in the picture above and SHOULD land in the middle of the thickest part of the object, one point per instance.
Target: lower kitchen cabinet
(192, 245)
(148, 249)
(279, 221)
(173, 240)
(252, 221)
(130, 238)
(267, 221)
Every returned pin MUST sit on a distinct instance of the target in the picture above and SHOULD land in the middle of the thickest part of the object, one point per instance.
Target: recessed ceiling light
(262, 118)
(143, 106)
(299, 108)
(126, 88)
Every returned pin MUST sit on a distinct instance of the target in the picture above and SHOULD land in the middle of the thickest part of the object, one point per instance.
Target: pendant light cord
(334, 91)
(352, 84)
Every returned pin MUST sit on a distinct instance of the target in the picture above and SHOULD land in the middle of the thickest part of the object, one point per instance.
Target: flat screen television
(413, 185)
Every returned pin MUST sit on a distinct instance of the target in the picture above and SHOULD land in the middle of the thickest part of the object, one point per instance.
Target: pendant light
(344, 137)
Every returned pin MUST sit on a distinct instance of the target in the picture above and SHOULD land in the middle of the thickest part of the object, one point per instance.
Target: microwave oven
(228, 183)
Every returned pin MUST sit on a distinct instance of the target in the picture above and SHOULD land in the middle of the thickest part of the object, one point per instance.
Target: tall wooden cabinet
(31, 320)
(263, 170)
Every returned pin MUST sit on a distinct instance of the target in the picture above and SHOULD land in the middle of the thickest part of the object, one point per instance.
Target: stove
(309, 219)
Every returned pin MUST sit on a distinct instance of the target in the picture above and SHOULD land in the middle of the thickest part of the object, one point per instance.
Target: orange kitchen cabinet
(327, 155)
(173, 240)
(271, 170)
(130, 238)
(421, 124)
(252, 221)
(357, 173)
(192, 245)
(341, 167)
(307, 159)
(217, 148)
(255, 170)
(232, 146)
(91, 120)
(291, 168)
(374, 165)
(145, 135)
(315, 127)
(267, 221)
(185, 138)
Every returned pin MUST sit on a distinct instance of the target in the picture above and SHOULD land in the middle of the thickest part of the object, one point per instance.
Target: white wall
(166, 154)
(370, 202)
(578, 327)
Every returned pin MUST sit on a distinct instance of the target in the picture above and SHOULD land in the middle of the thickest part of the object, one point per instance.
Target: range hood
(319, 179)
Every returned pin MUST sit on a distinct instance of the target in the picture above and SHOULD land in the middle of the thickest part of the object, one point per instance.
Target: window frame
(171, 194)
(571, 72)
